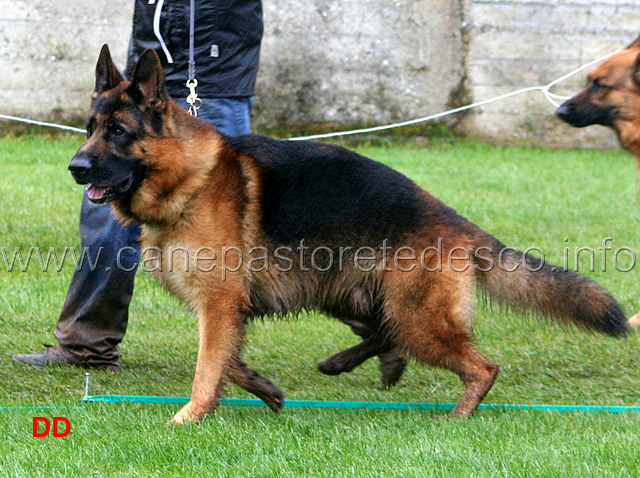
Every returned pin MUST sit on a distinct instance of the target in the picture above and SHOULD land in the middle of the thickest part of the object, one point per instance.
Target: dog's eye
(117, 131)
(597, 86)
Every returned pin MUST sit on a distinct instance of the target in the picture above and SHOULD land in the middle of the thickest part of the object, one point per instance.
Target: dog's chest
(170, 259)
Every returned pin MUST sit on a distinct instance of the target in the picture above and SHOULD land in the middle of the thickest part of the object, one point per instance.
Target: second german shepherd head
(611, 98)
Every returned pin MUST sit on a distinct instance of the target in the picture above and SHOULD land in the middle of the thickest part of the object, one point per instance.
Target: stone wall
(346, 63)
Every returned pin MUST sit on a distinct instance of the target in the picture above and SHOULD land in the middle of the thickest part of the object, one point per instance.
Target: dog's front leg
(634, 321)
(220, 327)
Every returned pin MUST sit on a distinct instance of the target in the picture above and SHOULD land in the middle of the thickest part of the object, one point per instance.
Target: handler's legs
(94, 317)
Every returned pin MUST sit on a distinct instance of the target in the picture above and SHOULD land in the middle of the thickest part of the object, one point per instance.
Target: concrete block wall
(48, 51)
(365, 61)
(346, 63)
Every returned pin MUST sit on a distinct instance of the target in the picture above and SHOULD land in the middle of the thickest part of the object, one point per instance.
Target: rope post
(87, 384)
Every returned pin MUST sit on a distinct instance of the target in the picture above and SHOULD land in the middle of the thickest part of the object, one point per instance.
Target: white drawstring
(156, 29)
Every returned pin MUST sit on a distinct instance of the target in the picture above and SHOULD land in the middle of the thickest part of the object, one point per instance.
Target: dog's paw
(190, 413)
(392, 366)
(275, 400)
(331, 366)
(268, 393)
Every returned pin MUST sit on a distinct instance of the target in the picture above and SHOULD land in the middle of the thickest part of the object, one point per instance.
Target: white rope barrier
(551, 97)
(42, 123)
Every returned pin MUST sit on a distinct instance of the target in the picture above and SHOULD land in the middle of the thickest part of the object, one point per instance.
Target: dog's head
(113, 160)
(611, 97)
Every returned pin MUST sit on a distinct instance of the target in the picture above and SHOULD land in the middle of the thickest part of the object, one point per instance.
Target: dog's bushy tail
(527, 284)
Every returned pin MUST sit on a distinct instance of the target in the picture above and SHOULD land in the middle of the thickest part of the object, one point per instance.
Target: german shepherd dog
(611, 98)
(341, 234)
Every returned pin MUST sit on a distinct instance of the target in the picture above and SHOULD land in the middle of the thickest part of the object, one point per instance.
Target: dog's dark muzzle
(80, 167)
(579, 114)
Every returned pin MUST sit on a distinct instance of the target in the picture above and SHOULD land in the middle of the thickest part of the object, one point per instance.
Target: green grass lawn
(526, 197)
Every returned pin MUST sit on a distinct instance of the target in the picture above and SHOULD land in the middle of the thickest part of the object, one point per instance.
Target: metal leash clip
(193, 101)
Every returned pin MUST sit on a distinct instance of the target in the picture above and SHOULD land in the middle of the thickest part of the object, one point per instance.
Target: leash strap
(192, 62)
(193, 101)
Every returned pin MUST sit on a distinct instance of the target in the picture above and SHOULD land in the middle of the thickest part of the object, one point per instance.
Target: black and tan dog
(612, 98)
(287, 226)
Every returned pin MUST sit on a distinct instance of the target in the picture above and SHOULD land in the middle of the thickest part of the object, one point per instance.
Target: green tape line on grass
(52, 407)
(334, 404)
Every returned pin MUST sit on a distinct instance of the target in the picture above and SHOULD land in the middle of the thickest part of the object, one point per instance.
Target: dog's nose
(564, 111)
(79, 167)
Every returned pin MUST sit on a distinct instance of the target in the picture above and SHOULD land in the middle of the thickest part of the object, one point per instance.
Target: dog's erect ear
(635, 43)
(107, 75)
(635, 71)
(147, 81)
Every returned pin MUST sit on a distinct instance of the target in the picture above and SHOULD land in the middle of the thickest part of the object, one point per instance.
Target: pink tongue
(95, 193)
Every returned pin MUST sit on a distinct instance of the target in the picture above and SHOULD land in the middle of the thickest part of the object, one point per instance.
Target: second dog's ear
(635, 72)
(107, 75)
(147, 81)
(635, 43)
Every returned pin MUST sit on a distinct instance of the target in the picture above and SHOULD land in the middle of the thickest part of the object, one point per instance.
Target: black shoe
(58, 356)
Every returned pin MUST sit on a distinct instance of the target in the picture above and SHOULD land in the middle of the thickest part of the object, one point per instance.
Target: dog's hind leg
(434, 324)
(476, 372)
(393, 360)
(256, 384)
(350, 358)
(392, 365)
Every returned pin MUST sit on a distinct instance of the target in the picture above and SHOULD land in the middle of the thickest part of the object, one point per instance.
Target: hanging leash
(193, 101)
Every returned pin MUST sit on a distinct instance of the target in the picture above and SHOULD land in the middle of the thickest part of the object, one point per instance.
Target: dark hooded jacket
(226, 43)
